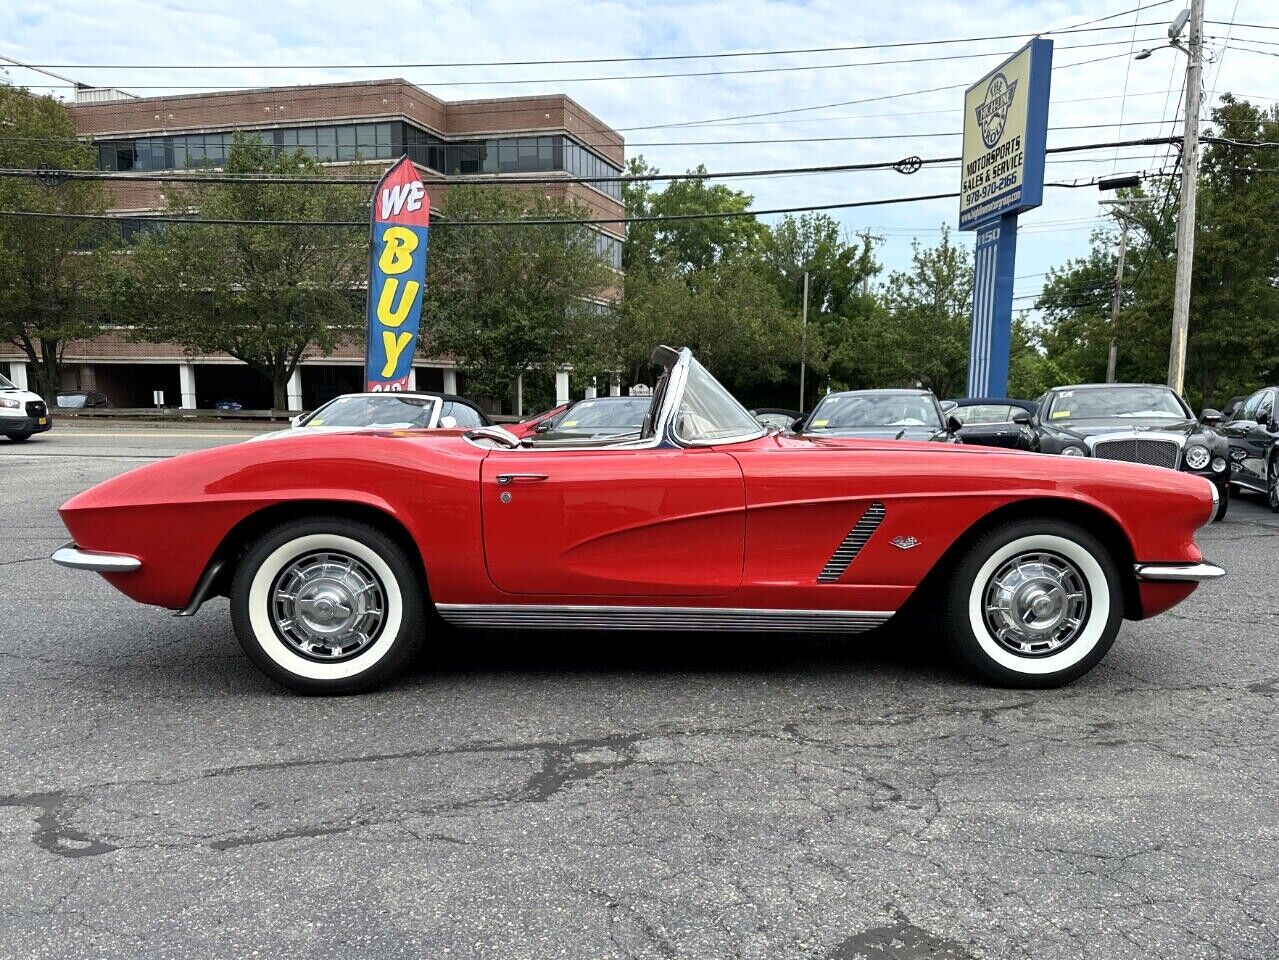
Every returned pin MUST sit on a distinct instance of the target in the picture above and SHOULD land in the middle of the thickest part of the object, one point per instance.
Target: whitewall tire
(1035, 603)
(327, 606)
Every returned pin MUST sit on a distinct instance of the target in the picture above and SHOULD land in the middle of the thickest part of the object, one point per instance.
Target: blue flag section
(992, 308)
(1002, 175)
(397, 276)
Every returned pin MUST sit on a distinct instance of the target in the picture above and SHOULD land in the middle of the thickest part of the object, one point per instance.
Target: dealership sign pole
(397, 276)
(1005, 129)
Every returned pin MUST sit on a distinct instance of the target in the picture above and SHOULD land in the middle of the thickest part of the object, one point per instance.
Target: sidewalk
(102, 424)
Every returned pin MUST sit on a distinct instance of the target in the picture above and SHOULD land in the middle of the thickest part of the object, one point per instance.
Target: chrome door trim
(611, 617)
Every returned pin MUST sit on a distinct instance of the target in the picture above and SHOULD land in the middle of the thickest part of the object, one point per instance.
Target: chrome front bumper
(1178, 572)
(72, 556)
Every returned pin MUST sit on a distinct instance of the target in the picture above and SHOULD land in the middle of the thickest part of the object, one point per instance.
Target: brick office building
(549, 137)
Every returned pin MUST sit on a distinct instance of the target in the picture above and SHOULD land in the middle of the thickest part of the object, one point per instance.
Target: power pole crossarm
(1189, 189)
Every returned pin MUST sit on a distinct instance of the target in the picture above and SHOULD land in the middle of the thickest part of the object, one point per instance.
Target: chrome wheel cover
(327, 605)
(1036, 604)
(1274, 484)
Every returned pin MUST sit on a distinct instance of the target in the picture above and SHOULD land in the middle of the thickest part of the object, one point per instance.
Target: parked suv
(22, 412)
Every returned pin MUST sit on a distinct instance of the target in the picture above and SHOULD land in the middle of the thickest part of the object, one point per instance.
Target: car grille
(36, 408)
(1156, 453)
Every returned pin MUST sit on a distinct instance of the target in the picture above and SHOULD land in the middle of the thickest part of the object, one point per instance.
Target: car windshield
(1153, 402)
(625, 414)
(708, 412)
(72, 400)
(979, 413)
(387, 411)
(6, 383)
(849, 411)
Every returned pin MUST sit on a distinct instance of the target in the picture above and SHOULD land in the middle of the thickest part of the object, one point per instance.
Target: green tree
(53, 271)
(266, 295)
(509, 300)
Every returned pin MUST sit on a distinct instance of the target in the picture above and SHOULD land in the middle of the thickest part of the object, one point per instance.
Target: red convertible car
(343, 553)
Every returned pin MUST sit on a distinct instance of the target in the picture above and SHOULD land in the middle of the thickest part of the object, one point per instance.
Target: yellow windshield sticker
(820, 423)
(314, 422)
(1060, 414)
(569, 423)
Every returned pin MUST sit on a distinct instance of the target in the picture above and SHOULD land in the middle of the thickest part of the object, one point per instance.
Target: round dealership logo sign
(992, 113)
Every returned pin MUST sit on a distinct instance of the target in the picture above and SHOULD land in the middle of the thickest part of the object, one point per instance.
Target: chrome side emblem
(904, 543)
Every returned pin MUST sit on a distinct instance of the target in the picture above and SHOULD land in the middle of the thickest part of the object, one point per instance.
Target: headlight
(1218, 464)
(1073, 452)
(1197, 457)
(11, 404)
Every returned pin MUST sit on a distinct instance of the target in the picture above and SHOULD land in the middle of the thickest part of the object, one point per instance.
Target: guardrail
(166, 414)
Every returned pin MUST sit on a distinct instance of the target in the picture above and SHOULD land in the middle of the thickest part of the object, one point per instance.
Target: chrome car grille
(852, 544)
(1155, 453)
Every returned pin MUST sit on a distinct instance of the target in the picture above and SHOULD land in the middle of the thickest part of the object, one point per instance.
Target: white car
(22, 412)
(414, 410)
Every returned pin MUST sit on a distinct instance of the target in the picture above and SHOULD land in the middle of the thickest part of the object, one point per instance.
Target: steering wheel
(496, 434)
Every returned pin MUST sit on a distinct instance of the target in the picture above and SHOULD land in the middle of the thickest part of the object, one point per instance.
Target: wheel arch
(217, 575)
(1089, 516)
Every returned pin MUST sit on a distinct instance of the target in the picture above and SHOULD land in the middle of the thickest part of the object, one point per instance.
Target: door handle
(506, 478)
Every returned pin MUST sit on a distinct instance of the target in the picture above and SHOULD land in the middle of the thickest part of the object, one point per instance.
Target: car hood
(881, 433)
(1085, 429)
(26, 396)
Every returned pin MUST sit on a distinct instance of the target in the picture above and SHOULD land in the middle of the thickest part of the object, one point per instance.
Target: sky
(1108, 96)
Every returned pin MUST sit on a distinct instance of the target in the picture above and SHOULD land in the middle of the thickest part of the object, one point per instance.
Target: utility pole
(868, 240)
(1189, 188)
(1112, 356)
(803, 345)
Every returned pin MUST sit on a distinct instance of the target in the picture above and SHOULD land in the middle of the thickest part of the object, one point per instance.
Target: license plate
(42, 421)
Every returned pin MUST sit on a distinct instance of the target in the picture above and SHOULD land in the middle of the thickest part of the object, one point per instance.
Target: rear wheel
(1034, 603)
(1272, 484)
(18, 437)
(327, 606)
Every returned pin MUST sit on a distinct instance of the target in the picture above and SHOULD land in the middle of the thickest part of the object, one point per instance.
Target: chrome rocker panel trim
(69, 555)
(539, 616)
(1178, 572)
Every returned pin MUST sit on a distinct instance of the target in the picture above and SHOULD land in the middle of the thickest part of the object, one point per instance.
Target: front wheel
(18, 437)
(327, 606)
(1272, 484)
(1034, 603)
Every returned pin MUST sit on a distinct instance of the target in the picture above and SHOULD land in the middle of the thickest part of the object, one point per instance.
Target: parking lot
(535, 796)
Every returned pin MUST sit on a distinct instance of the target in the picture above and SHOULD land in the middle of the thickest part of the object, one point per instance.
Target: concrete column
(295, 389)
(591, 392)
(561, 387)
(87, 377)
(615, 385)
(519, 395)
(186, 385)
(18, 374)
(450, 379)
(412, 384)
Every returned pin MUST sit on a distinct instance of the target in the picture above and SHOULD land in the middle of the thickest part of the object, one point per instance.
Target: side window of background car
(1265, 409)
(465, 415)
(1248, 409)
(985, 413)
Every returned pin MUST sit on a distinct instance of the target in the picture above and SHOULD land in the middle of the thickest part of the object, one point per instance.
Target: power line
(457, 64)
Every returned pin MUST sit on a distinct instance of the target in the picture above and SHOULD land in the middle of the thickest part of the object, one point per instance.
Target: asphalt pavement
(537, 796)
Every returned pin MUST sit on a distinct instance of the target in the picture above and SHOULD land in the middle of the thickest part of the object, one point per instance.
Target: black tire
(1087, 569)
(18, 437)
(1223, 502)
(346, 571)
(1272, 484)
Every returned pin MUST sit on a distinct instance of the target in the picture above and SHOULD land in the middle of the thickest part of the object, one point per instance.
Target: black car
(1138, 423)
(994, 421)
(595, 418)
(1253, 435)
(82, 400)
(881, 414)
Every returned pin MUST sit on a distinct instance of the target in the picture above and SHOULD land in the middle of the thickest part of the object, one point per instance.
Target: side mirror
(542, 427)
(798, 424)
(1210, 416)
(1022, 418)
(448, 423)
(953, 424)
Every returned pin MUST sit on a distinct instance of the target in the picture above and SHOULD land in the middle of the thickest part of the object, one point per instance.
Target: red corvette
(339, 551)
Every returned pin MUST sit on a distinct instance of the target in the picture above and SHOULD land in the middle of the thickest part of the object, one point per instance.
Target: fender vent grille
(852, 544)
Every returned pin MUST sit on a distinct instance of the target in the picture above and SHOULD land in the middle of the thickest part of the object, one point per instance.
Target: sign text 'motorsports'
(397, 276)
